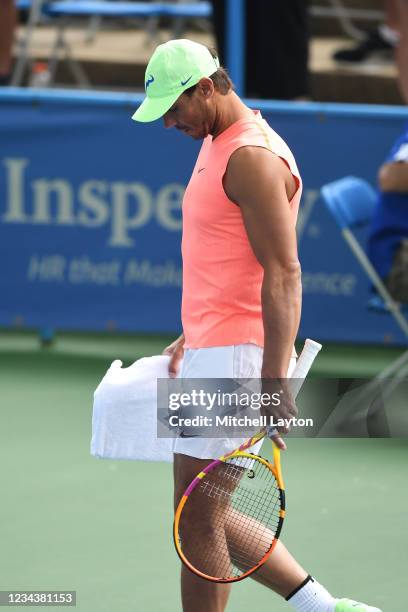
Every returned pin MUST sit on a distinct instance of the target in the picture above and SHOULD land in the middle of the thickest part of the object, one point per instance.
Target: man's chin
(198, 134)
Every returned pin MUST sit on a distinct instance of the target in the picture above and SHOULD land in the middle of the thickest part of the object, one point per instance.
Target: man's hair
(220, 78)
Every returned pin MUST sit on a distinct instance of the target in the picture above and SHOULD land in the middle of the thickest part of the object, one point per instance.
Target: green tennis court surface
(103, 528)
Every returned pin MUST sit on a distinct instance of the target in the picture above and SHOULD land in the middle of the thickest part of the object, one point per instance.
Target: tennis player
(241, 276)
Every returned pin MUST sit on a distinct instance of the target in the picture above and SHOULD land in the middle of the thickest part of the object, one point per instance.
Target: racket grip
(303, 365)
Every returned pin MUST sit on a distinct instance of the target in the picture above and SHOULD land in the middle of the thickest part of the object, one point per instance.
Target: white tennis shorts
(239, 361)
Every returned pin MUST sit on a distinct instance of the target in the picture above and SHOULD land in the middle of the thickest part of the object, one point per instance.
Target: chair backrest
(351, 201)
(23, 5)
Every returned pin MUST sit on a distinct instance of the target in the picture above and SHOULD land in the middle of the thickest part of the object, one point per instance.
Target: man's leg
(281, 572)
(197, 594)
(7, 26)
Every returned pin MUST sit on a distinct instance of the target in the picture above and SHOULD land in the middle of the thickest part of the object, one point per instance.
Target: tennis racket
(229, 519)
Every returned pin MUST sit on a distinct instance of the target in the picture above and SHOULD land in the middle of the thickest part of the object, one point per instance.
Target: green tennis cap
(174, 67)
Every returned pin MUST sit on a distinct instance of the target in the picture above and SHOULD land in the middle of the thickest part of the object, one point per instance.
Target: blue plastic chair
(352, 202)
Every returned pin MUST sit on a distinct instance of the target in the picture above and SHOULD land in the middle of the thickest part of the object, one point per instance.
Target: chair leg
(391, 304)
(25, 44)
(152, 31)
(396, 366)
(361, 411)
(377, 417)
(345, 21)
(94, 26)
(76, 69)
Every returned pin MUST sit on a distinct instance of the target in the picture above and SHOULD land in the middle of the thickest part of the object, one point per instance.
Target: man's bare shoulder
(257, 158)
(257, 168)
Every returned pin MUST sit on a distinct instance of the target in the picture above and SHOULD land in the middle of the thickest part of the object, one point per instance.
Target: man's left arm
(262, 185)
(393, 177)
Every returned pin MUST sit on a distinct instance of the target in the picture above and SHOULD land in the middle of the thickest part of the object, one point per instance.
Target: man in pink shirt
(241, 276)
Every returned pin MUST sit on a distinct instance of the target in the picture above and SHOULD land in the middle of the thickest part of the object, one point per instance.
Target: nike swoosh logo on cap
(185, 82)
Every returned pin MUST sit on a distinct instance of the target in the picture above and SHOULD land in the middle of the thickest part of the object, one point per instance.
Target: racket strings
(213, 490)
(233, 471)
(230, 519)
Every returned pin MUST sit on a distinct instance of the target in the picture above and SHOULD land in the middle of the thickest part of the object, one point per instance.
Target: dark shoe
(5, 80)
(374, 43)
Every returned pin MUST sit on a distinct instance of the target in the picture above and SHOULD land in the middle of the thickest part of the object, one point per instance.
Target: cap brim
(154, 108)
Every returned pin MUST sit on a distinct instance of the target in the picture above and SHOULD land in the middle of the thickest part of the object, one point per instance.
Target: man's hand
(286, 408)
(176, 351)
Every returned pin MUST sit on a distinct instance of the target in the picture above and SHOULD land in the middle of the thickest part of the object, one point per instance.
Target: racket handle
(303, 365)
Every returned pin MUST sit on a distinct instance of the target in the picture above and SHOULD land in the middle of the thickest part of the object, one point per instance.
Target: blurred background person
(276, 47)
(7, 27)
(388, 39)
(388, 241)
(378, 42)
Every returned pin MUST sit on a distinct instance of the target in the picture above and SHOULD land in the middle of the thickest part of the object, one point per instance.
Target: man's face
(191, 114)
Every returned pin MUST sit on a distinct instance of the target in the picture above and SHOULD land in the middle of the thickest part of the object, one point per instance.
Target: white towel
(124, 421)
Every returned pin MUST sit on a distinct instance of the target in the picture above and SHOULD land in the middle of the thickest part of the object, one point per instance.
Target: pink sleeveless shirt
(222, 279)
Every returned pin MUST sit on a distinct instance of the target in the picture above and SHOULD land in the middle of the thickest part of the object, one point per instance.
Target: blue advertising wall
(90, 212)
